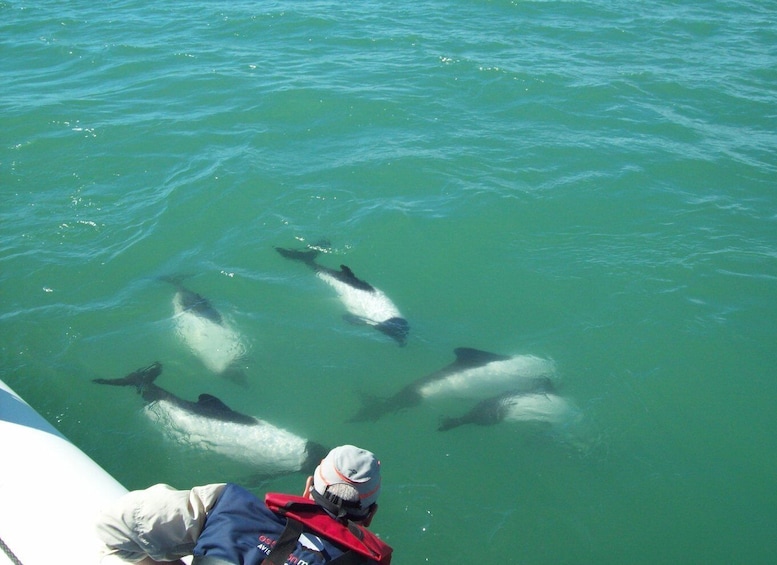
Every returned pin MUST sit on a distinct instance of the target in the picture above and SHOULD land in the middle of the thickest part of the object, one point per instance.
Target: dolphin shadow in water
(203, 329)
(474, 374)
(210, 424)
(365, 303)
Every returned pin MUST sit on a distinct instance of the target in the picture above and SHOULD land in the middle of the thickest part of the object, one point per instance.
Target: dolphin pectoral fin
(139, 378)
(470, 357)
(396, 328)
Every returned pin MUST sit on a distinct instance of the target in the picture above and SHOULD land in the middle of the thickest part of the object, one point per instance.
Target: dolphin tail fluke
(140, 378)
(307, 256)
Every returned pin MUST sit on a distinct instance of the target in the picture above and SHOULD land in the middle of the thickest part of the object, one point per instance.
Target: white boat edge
(50, 491)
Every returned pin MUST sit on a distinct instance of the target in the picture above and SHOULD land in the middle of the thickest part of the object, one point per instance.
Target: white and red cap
(350, 465)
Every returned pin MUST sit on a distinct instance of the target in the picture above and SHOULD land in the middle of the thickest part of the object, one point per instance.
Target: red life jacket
(353, 536)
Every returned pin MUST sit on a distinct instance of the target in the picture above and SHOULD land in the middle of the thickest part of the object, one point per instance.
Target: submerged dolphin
(474, 374)
(365, 303)
(209, 424)
(541, 405)
(203, 329)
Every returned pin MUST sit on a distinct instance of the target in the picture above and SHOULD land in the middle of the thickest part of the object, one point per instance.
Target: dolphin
(542, 405)
(203, 329)
(211, 425)
(365, 303)
(474, 374)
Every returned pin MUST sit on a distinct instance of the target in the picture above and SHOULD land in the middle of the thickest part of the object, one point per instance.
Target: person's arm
(158, 523)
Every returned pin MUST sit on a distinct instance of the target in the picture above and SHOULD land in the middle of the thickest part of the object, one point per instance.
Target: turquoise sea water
(587, 181)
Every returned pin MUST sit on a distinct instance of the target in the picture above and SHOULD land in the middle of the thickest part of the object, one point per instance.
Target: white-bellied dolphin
(210, 425)
(205, 331)
(365, 303)
(474, 374)
(540, 405)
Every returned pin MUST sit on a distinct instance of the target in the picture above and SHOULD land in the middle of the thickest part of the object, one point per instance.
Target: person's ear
(308, 484)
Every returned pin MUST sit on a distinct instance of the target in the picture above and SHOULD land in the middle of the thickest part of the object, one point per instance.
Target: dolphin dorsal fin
(470, 357)
(347, 271)
(212, 404)
(348, 277)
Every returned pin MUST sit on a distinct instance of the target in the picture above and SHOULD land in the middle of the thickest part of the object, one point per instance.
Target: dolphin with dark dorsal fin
(211, 425)
(474, 374)
(205, 331)
(365, 303)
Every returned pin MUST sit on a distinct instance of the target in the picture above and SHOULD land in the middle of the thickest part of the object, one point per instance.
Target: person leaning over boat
(224, 524)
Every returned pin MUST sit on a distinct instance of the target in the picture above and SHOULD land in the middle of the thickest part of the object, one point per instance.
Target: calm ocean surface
(593, 182)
